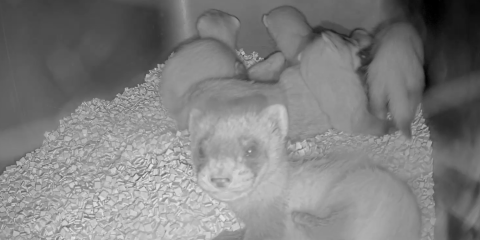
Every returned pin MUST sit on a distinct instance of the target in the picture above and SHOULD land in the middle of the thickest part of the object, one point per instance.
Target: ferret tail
(451, 94)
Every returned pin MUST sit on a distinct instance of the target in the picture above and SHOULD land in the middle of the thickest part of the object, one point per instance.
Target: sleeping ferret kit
(120, 170)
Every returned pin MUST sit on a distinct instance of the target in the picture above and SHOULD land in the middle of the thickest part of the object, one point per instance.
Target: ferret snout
(221, 173)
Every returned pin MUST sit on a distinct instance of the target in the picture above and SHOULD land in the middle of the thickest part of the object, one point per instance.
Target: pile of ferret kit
(121, 169)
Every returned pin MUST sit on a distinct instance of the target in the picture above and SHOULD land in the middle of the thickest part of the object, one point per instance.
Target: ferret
(212, 56)
(395, 76)
(239, 157)
(306, 118)
(193, 62)
(328, 67)
(362, 37)
(220, 25)
(268, 70)
(272, 85)
(216, 93)
(289, 28)
(364, 40)
(451, 94)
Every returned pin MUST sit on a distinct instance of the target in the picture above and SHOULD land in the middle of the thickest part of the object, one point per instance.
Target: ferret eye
(251, 151)
(201, 153)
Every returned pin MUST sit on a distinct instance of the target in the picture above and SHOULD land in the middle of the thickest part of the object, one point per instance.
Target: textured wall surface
(56, 54)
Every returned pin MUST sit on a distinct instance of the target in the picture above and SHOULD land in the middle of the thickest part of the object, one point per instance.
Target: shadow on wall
(55, 54)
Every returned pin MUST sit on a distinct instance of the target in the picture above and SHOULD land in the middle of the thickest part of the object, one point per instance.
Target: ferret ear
(236, 21)
(276, 115)
(193, 121)
(268, 69)
(264, 20)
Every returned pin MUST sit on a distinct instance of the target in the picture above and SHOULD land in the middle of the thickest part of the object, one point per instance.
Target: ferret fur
(193, 62)
(214, 94)
(395, 76)
(306, 117)
(289, 28)
(210, 56)
(219, 25)
(328, 66)
(240, 158)
(451, 94)
(307, 120)
(268, 70)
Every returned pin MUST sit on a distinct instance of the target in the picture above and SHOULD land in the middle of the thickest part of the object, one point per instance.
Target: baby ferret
(220, 25)
(211, 55)
(395, 76)
(289, 29)
(328, 66)
(239, 157)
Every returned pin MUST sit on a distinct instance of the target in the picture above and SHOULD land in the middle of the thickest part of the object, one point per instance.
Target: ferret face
(233, 154)
(286, 21)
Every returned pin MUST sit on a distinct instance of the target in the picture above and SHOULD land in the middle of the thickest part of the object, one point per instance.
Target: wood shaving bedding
(119, 170)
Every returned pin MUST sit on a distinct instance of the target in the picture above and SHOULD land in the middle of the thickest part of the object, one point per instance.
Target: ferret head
(219, 25)
(234, 152)
(336, 49)
(288, 27)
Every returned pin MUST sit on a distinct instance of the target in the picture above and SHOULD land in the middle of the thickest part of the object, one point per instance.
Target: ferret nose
(220, 182)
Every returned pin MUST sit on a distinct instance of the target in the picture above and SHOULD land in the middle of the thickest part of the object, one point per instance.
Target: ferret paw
(391, 128)
(307, 219)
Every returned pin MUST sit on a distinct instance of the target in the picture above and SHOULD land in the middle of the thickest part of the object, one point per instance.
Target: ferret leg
(378, 102)
(310, 220)
(332, 226)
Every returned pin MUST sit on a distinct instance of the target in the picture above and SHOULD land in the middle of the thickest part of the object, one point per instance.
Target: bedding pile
(119, 170)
